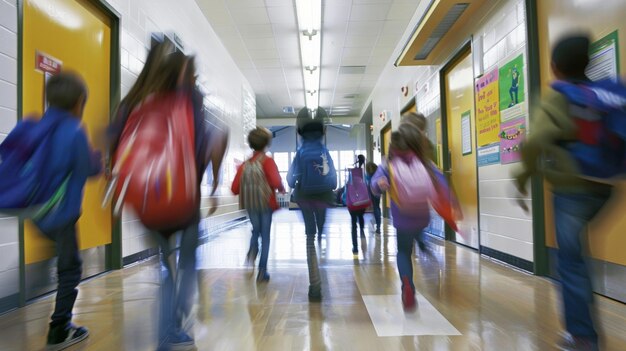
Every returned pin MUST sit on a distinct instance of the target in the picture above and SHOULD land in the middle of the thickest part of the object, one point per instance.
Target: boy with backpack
(255, 183)
(408, 182)
(572, 145)
(370, 170)
(313, 177)
(54, 176)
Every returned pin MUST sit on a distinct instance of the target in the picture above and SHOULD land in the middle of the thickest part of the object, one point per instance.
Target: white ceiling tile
(333, 16)
(256, 31)
(263, 54)
(360, 41)
(372, 1)
(402, 11)
(394, 27)
(365, 28)
(250, 15)
(370, 12)
(282, 14)
(349, 53)
(242, 4)
(388, 41)
(267, 63)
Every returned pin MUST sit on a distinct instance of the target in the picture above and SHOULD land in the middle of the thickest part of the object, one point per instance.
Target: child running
(408, 181)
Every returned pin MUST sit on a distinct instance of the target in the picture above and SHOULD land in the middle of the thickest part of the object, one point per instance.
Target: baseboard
(9, 303)
(507, 258)
(140, 256)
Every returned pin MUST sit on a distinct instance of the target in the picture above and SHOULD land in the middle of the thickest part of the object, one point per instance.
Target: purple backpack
(411, 184)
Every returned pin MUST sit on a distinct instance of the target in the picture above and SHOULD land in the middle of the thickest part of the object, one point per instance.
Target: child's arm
(272, 175)
(235, 187)
(380, 181)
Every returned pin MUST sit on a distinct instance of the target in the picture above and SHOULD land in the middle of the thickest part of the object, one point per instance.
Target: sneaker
(377, 230)
(315, 293)
(263, 276)
(569, 343)
(64, 336)
(180, 341)
(408, 296)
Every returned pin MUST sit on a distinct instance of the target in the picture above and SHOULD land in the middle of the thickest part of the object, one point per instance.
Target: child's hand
(383, 184)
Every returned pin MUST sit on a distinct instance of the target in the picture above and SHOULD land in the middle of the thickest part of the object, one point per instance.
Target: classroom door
(70, 35)
(461, 144)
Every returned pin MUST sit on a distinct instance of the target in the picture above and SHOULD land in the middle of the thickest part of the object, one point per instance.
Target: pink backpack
(411, 184)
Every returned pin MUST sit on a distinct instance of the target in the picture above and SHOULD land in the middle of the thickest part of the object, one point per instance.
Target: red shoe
(408, 296)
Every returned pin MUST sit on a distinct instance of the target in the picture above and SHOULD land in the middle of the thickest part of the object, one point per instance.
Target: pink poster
(512, 134)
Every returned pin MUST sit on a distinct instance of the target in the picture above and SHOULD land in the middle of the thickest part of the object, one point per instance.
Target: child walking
(313, 177)
(370, 170)
(256, 181)
(408, 182)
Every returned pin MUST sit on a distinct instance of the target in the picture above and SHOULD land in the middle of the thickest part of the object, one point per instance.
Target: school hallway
(466, 302)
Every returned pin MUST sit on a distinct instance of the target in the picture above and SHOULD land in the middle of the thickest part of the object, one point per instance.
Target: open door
(461, 143)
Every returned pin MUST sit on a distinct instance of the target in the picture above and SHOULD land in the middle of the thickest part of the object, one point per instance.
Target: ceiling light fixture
(309, 14)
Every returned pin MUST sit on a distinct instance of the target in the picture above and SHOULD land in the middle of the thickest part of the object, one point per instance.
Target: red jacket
(271, 174)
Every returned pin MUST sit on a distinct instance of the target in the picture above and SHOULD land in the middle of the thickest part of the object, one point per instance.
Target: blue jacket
(70, 156)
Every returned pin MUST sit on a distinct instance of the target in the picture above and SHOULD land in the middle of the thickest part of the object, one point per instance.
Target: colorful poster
(466, 133)
(489, 155)
(603, 62)
(487, 112)
(512, 89)
(512, 135)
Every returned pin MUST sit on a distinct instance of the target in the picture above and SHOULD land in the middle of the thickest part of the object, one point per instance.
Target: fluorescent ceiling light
(309, 14)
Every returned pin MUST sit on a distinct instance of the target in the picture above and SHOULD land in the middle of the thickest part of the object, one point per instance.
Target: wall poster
(603, 58)
(512, 89)
(489, 155)
(466, 133)
(512, 135)
(487, 111)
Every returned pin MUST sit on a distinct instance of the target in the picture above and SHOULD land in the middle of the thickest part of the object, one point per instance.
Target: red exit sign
(46, 63)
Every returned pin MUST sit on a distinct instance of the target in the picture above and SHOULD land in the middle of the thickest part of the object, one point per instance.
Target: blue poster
(489, 155)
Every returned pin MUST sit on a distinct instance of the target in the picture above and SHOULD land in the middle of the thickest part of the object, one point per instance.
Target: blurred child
(357, 213)
(370, 170)
(71, 161)
(405, 170)
(256, 181)
(313, 177)
(166, 72)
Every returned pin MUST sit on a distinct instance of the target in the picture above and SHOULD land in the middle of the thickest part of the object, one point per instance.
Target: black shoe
(63, 336)
(263, 276)
(377, 230)
(315, 293)
(355, 250)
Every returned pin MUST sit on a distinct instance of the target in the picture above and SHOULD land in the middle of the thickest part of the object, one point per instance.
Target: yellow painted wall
(386, 142)
(79, 35)
(555, 18)
(459, 85)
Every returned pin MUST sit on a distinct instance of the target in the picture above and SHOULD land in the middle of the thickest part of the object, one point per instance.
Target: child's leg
(405, 250)
(353, 217)
(266, 228)
(361, 217)
(69, 270)
(320, 219)
(255, 220)
(167, 309)
(186, 274)
(308, 214)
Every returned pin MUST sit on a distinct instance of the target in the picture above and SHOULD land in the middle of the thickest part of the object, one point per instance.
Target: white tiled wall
(503, 225)
(221, 80)
(9, 245)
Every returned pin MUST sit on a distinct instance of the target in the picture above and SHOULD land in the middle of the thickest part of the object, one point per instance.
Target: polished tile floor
(467, 302)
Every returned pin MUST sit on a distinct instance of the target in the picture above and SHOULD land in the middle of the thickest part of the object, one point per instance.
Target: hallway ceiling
(358, 39)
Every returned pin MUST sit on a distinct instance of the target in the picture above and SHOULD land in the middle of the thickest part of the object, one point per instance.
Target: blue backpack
(314, 170)
(26, 188)
(599, 111)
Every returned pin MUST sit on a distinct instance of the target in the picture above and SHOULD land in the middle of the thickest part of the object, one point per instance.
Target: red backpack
(154, 166)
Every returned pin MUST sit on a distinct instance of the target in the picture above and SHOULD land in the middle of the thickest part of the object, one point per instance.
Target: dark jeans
(572, 213)
(314, 219)
(178, 279)
(406, 241)
(357, 216)
(69, 270)
(377, 211)
(261, 227)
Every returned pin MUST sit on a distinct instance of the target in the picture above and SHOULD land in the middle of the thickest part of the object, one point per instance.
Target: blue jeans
(69, 271)
(261, 227)
(406, 241)
(178, 280)
(314, 219)
(572, 213)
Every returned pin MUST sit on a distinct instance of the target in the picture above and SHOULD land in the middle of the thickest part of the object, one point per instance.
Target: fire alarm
(405, 90)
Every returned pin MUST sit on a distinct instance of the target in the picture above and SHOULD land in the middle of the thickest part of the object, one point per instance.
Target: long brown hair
(413, 139)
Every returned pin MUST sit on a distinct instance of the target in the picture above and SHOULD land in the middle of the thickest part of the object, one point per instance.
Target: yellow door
(78, 35)
(459, 85)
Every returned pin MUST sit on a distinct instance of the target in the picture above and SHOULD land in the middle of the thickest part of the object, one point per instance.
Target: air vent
(352, 69)
(288, 109)
(351, 96)
(442, 29)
